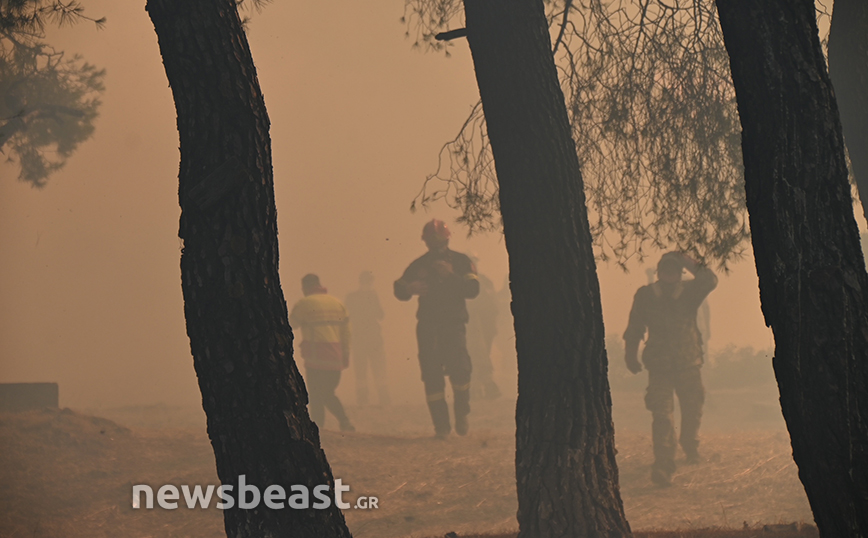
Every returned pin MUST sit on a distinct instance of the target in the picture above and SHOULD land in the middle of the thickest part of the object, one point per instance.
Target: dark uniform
(673, 356)
(441, 330)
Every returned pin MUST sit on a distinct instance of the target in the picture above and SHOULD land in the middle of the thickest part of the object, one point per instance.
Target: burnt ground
(70, 474)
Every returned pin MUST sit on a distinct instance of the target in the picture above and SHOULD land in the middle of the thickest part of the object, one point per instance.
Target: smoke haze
(89, 282)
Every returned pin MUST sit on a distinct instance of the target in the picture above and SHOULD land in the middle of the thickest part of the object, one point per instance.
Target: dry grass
(70, 475)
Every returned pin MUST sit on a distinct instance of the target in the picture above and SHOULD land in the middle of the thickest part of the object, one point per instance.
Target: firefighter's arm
(401, 291)
(631, 356)
(704, 277)
(464, 279)
(467, 283)
(634, 334)
(404, 290)
(404, 286)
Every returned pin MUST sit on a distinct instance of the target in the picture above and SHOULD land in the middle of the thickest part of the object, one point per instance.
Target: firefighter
(481, 331)
(443, 280)
(672, 355)
(368, 352)
(325, 348)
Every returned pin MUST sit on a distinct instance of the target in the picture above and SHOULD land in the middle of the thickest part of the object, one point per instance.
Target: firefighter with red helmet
(443, 280)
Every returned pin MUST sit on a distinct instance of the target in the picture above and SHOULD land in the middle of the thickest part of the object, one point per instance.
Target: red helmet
(435, 229)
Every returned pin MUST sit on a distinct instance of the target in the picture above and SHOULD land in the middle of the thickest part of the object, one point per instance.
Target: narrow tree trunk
(812, 276)
(252, 393)
(848, 66)
(566, 473)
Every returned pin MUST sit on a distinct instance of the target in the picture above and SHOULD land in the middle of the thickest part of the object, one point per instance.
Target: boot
(661, 477)
(662, 471)
(693, 456)
(462, 426)
(440, 417)
(462, 408)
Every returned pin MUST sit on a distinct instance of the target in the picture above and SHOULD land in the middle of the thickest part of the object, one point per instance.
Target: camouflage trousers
(686, 383)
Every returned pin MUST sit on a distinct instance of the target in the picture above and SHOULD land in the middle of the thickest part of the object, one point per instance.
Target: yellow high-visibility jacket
(325, 330)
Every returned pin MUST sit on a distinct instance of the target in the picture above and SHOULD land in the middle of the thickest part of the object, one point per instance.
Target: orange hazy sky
(90, 292)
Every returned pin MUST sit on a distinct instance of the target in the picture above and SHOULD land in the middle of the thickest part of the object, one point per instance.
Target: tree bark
(567, 478)
(236, 314)
(811, 272)
(848, 66)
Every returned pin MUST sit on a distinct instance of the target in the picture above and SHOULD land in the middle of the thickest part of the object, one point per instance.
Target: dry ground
(793, 530)
(69, 474)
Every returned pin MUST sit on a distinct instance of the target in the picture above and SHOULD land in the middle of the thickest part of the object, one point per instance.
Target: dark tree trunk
(811, 273)
(848, 66)
(566, 473)
(252, 393)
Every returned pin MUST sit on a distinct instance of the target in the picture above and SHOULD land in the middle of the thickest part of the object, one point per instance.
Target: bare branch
(564, 21)
(450, 35)
(654, 119)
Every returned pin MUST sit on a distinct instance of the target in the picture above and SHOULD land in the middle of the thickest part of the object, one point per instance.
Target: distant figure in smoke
(673, 356)
(366, 313)
(481, 330)
(325, 348)
(443, 279)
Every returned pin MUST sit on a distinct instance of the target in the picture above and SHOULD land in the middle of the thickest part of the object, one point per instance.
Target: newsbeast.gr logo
(249, 497)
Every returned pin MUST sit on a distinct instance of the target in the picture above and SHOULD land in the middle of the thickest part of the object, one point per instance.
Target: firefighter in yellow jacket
(673, 356)
(325, 348)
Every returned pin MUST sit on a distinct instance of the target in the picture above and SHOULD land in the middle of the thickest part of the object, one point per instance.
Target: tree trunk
(848, 66)
(240, 338)
(811, 273)
(566, 473)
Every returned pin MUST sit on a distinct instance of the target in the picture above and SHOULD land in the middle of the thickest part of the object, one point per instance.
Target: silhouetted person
(325, 348)
(481, 330)
(368, 353)
(673, 356)
(443, 279)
